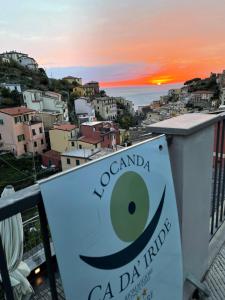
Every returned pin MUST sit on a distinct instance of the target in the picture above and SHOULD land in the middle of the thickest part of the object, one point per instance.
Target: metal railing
(18, 203)
(218, 189)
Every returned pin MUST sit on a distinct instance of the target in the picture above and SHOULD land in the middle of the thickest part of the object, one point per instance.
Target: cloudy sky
(118, 42)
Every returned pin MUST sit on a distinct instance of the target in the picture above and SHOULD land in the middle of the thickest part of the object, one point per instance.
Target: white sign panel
(115, 227)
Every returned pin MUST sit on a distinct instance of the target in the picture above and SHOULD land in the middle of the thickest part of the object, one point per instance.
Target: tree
(5, 93)
(126, 121)
(192, 81)
(16, 97)
(102, 93)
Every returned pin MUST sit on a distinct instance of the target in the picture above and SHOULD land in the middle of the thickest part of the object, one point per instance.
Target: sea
(141, 95)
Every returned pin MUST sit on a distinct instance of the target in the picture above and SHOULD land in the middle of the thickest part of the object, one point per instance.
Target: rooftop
(65, 127)
(89, 140)
(16, 111)
(92, 123)
(52, 153)
(82, 153)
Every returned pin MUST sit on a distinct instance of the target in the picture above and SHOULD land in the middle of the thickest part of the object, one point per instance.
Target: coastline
(141, 95)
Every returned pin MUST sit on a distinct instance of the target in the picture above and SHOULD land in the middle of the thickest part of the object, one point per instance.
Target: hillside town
(56, 125)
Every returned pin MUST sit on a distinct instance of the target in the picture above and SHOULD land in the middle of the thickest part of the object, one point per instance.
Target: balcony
(196, 146)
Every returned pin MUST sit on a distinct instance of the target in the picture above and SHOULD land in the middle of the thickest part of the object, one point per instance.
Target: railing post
(191, 156)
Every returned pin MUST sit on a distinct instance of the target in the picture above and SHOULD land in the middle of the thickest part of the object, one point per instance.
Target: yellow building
(85, 143)
(50, 118)
(89, 91)
(79, 90)
(77, 157)
(61, 135)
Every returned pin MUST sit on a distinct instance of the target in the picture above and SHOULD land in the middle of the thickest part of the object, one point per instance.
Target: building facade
(21, 131)
(21, 58)
(106, 132)
(106, 107)
(61, 136)
(45, 101)
(201, 99)
(83, 107)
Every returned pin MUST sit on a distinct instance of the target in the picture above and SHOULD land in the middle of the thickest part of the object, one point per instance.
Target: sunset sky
(118, 42)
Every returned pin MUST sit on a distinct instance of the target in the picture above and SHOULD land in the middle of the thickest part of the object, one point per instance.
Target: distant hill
(209, 84)
(14, 73)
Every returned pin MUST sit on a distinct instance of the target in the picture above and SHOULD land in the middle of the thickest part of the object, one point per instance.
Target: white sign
(115, 227)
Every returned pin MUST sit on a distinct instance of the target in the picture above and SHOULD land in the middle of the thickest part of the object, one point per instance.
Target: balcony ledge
(185, 124)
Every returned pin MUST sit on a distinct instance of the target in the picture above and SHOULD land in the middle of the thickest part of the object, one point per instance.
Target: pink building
(21, 131)
(105, 132)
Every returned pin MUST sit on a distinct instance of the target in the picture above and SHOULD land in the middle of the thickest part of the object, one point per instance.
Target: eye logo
(129, 207)
(129, 211)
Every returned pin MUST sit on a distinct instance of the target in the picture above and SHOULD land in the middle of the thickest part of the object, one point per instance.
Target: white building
(222, 98)
(106, 107)
(127, 104)
(201, 98)
(21, 58)
(45, 101)
(84, 107)
(12, 86)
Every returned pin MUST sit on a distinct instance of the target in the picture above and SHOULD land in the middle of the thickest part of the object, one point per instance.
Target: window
(16, 120)
(96, 145)
(21, 118)
(1, 122)
(80, 146)
(77, 162)
(42, 141)
(68, 161)
(35, 144)
(72, 144)
(20, 137)
(40, 130)
(33, 132)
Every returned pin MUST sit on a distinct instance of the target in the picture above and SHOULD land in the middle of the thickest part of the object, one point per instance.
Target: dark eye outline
(123, 257)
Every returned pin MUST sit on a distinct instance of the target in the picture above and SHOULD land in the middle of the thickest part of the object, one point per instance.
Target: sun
(158, 83)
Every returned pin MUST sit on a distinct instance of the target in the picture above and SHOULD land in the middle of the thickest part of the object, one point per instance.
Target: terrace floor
(215, 277)
(42, 289)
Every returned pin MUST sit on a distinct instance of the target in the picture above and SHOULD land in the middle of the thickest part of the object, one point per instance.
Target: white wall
(83, 107)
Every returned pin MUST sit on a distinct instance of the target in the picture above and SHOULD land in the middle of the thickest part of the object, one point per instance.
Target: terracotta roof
(89, 140)
(16, 111)
(65, 127)
(52, 153)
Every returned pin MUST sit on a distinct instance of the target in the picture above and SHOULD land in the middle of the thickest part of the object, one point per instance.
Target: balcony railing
(218, 191)
(19, 203)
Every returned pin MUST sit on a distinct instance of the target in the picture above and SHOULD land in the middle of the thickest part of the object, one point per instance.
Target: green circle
(129, 207)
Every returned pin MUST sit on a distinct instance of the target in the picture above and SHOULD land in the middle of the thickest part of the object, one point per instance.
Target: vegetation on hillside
(14, 73)
(209, 84)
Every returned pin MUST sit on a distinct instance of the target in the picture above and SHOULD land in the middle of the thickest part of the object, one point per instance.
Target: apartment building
(106, 133)
(84, 109)
(21, 58)
(106, 107)
(48, 102)
(61, 136)
(201, 98)
(21, 131)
